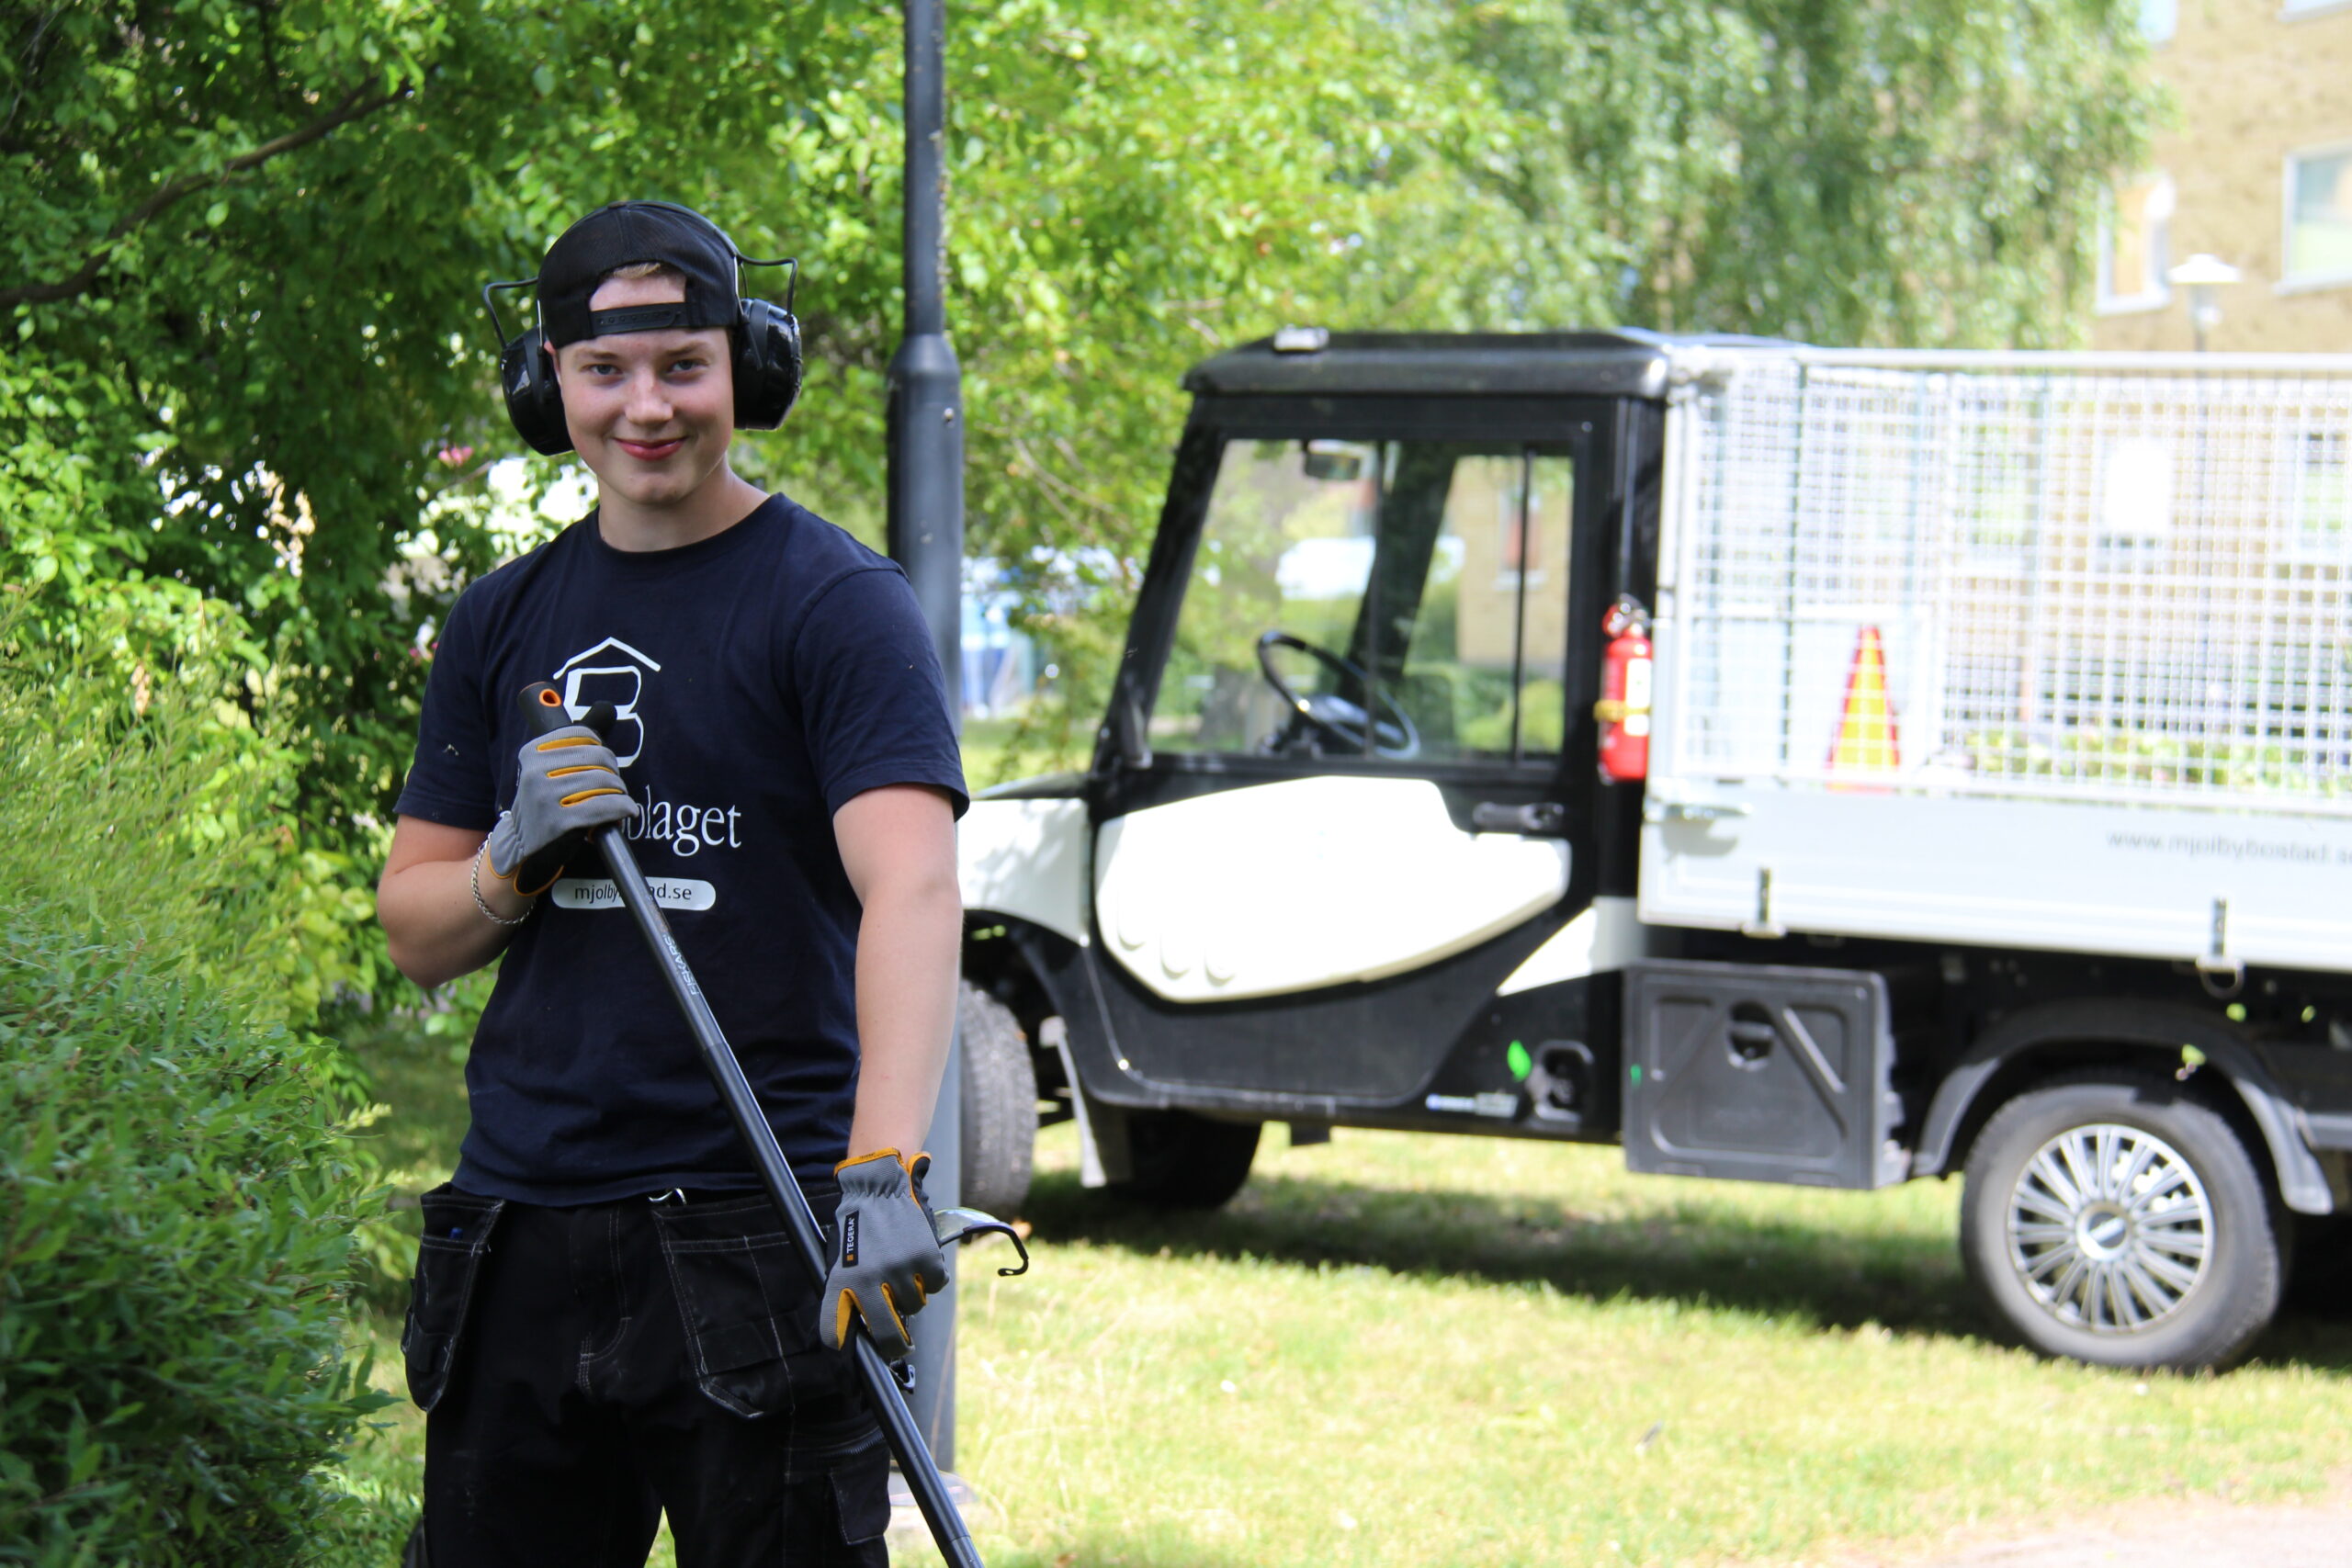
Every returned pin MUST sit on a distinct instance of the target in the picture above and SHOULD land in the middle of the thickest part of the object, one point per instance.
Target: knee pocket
(862, 1501)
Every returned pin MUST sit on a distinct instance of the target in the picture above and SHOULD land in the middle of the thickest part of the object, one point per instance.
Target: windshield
(1397, 601)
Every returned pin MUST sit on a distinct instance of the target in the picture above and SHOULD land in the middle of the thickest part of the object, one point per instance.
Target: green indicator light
(1636, 1070)
(1522, 1064)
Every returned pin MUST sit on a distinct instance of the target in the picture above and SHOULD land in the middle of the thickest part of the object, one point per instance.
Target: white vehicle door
(1355, 786)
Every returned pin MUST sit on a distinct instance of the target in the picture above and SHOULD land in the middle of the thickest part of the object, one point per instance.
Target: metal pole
(926, 538)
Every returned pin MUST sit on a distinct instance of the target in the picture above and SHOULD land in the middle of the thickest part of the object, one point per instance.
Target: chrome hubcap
(2109, 1229)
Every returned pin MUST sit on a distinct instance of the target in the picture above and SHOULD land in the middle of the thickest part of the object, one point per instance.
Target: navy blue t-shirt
(762, 677)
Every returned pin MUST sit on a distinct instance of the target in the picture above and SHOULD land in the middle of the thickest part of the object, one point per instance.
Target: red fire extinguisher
(1624, 709)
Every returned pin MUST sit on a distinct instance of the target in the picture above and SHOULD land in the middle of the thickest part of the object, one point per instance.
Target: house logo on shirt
(614, 672)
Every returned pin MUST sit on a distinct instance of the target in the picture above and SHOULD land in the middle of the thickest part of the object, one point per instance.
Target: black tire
(1183, 1161)
(2178, 1265)
(999, 1121)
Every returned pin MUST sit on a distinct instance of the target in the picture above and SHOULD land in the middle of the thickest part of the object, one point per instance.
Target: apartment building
(2255, 170)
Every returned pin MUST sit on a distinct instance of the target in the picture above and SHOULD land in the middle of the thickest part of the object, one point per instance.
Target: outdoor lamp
(2200, 275)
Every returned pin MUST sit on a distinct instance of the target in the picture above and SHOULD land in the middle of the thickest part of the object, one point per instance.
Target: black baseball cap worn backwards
(627, 234)
(765, 338)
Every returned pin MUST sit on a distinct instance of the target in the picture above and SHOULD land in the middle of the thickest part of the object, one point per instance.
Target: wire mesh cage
(2075, 578)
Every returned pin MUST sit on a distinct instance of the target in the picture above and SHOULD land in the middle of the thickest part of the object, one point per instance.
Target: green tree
(248, 238)
(1839, 171)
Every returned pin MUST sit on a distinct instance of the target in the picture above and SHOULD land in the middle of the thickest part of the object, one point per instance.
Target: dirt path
(2165, 1533)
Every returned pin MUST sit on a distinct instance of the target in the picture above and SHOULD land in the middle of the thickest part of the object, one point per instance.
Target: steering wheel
(1391, 732)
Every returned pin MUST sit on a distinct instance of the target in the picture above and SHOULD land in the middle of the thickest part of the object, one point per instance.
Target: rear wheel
(999, 1104)
(1182, 1161)
(2113, 1220)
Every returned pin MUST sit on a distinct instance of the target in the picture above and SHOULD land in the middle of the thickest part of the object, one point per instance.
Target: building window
(2319, 216)
(2159, 17)
(2135, 246)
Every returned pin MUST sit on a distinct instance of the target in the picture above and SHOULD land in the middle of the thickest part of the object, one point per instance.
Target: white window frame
(2152, 298)
(2296, 10)
(2292, 282)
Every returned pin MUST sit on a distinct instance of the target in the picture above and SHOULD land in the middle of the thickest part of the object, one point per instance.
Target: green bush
(176, 1197)
(175, 1221)
(147, 785)
(2103, 753)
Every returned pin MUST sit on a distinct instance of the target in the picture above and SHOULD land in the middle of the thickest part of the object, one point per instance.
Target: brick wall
(2252, 84)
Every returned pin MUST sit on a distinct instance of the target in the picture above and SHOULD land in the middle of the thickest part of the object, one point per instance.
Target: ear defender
(527, 377)
(767, 360)
(765, 337)
(767, 365)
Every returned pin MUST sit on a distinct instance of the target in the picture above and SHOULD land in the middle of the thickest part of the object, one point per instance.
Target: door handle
(1655, 811)
(1536, 817)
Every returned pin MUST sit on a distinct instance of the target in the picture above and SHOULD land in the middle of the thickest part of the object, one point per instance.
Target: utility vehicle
(1834, 768)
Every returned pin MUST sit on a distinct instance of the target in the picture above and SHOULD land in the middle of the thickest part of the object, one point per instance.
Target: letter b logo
(620, 681)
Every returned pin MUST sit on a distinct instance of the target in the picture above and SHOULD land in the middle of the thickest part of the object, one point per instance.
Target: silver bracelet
(474, 882)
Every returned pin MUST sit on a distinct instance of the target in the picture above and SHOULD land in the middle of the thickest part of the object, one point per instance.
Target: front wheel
(999, 1105)
(2113, 1220)
(1182, 1161)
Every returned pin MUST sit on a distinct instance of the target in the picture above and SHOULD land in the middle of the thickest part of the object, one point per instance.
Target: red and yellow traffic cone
(1866, 734)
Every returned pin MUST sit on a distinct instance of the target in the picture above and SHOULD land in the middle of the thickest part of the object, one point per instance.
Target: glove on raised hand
(887, 1262)
(566, 784)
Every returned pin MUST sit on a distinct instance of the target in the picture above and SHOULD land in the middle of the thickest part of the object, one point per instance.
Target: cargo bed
(2017, 649)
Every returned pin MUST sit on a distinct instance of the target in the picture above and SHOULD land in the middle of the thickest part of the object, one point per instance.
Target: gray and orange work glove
(887, 1262)
(567, 784)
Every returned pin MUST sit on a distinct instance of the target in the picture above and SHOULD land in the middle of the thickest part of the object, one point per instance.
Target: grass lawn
(1050, 738)
(1395, 1350)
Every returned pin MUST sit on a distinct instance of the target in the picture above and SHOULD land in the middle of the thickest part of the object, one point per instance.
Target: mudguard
(2162, 1031)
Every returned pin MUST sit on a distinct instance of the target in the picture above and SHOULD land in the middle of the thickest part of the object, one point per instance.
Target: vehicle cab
(1344, 854)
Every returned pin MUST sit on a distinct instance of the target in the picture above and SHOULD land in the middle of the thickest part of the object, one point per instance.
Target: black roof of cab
(1624, 363)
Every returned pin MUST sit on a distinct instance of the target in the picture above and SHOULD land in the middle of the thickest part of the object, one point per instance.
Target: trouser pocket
(861, 1500)
(748, 1307)
(448, 1257)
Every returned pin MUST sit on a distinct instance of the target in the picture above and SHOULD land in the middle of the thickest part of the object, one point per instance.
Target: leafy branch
(357, 104)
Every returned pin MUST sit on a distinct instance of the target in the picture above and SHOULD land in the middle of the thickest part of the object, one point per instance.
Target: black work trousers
(583, 1370)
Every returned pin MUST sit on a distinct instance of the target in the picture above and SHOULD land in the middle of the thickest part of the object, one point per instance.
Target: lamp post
(2201, 274)
(926, 536)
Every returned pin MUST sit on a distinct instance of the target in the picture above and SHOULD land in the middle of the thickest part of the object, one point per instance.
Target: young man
(608, 1319)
